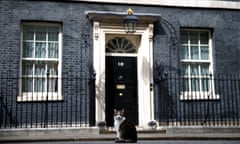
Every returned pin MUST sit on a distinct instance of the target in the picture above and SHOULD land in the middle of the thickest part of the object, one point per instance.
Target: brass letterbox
(120, 86)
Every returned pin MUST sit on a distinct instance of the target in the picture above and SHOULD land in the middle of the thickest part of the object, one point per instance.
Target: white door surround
(142, 38)
(144, 55)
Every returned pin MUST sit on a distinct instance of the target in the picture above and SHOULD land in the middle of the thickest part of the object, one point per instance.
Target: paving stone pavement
(139, 142)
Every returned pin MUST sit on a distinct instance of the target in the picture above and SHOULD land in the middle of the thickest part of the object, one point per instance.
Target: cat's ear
(115, 111)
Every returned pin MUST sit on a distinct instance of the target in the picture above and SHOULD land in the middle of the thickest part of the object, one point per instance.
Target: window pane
(28, 49)
(204, 38)
(28, 33)
(53, 69)
(194, 52)
(40, 69)
(205, 69)
(52, 85)
(194, 37)
(27, 68)
(195, 84)
(53, 33)
(184, 69)
(204, 52)
(27, 84)
(185, 85)
(41, 33)
(39, 85)
(52, 50)
(194, 69)
(184, 52)
(40, 50)
(205, 84)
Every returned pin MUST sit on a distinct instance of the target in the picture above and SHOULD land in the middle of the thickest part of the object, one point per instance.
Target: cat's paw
(117, 140)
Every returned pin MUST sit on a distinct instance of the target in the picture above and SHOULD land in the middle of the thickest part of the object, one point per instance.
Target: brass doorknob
(120, 94)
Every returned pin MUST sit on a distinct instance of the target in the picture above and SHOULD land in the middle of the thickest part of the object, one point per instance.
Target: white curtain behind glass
(195, 60)
(40, 54)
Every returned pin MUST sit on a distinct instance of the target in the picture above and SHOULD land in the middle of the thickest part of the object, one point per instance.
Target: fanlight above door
(120, 45)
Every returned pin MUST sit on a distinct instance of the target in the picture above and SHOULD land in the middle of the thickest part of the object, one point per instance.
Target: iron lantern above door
(130, 22)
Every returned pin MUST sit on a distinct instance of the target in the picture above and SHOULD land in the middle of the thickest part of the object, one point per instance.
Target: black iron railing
(62, 103)
(73, 104)
(217, 104)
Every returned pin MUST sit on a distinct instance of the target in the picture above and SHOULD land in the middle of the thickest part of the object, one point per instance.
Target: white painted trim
(199, 96)
(176, 3)
(144, 64)
(40, 96)
(122, 55)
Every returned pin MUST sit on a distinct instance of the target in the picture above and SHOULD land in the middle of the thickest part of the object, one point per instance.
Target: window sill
(199, 96)
(38, 97)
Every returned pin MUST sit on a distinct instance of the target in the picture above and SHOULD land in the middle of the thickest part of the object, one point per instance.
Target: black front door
(121, 87)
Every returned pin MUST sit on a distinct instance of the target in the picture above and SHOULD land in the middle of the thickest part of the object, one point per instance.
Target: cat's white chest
(117, 123)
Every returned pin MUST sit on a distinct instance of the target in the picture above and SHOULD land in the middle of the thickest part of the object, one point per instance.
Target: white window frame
(41, 96)
(198, 95)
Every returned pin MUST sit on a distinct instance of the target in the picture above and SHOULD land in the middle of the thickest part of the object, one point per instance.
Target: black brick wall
(77, 34)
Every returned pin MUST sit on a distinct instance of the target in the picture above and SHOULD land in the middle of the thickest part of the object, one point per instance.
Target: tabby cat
(125, 129)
